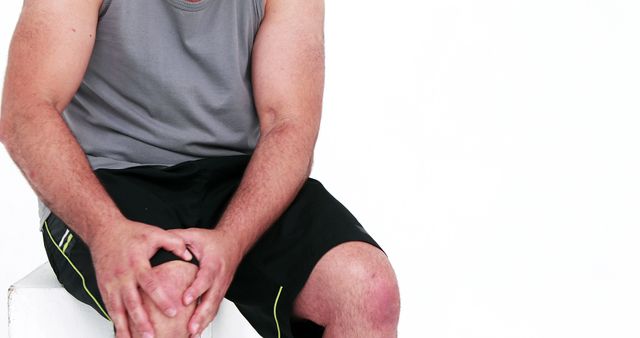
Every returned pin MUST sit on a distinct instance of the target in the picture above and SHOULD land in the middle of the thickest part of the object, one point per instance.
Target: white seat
(39, 307)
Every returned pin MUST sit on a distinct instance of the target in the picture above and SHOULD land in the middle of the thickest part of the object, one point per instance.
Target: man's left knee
(374, 295)
(379, 292)
(352, 283)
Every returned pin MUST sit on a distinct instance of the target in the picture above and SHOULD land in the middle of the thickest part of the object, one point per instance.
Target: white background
(491, 147)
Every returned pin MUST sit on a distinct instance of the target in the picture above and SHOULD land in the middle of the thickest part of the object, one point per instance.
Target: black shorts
(194, 194)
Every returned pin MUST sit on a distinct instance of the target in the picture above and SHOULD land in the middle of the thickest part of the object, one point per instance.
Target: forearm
(278, 168)
(42, 146)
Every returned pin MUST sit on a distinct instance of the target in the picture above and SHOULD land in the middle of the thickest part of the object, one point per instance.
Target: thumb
(172, 242)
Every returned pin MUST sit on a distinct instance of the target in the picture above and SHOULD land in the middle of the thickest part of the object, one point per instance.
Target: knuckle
(132, 260)
(207, 319)
(200, 319)
(200, 284)
(199, 289)
(148, 283)
(119, 272)
(119, 323)
(212, 313)
(123, 333)
(143, 236)
(130, 302)
(117, 308)
(207, 308)
(169, 237)
(199, 315)
(114, 306)
(217, 263)
(209, 274)
(221, 264)
(175, 242)
(140, 320)
(106, 293)
(104, 280)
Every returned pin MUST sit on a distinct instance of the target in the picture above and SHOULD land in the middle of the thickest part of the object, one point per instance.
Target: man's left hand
(219, 257)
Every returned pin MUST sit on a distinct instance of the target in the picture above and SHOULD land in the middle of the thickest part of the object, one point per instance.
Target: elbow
(3, 130)
(297, 136)
(6, 137)
(5, 124)
(310, 167)
(14, 124)
(6, 129)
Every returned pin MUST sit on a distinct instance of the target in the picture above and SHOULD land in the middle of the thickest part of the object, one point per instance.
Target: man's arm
(48, 56)
(288, 82)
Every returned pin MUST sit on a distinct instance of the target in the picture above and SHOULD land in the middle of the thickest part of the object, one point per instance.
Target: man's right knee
(174, 277)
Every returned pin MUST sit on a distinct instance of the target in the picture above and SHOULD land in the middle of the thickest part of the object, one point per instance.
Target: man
(178, 171)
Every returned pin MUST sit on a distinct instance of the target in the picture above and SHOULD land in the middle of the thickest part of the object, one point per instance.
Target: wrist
(103, 228)
(237, 245)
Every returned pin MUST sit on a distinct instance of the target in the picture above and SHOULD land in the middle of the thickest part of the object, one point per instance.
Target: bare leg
(176, 276)
(352, 292)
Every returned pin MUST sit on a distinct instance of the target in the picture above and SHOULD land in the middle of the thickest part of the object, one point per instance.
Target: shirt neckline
(189, 6)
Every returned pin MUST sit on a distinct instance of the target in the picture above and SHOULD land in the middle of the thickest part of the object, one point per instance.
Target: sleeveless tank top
(168, 81)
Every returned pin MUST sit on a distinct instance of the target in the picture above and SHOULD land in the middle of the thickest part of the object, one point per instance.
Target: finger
(118, 317)
(202, 283)
(205, 312)
(148, 282)
(137, 313)
(172, 242)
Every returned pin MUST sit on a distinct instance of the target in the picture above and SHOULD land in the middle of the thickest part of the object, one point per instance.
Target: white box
(40, 307)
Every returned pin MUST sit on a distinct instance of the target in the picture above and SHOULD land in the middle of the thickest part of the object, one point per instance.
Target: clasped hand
(219, 258)
(121, 261)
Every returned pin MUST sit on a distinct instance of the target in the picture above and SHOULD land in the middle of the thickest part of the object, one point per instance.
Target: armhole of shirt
(104, 7)
(260, 7)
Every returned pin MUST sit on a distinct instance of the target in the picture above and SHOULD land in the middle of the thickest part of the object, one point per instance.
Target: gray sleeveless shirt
(168, 81)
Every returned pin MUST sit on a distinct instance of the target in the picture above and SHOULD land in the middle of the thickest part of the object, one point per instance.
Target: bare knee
(374, 297)
(352, 283)
(381, 300)
(175, 277)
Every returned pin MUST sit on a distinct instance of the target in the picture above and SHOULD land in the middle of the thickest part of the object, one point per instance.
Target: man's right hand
(121, 256)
